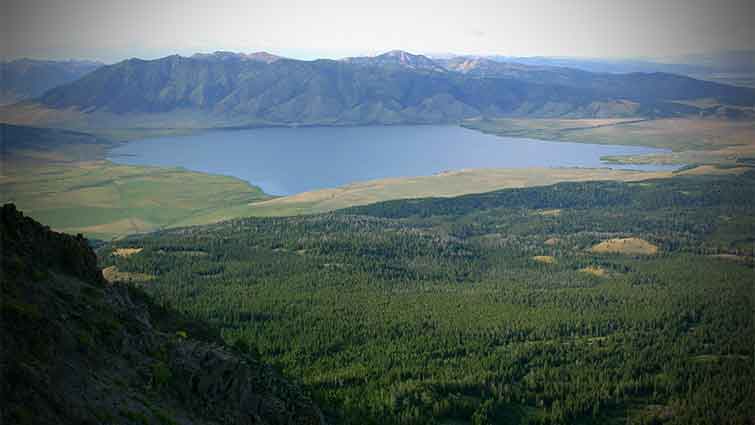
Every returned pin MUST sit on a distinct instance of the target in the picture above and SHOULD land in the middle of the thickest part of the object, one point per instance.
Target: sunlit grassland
(440, 185)
(690, 140)
(105, 200)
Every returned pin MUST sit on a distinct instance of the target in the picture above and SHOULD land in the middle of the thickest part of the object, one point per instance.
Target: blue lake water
(284, 161)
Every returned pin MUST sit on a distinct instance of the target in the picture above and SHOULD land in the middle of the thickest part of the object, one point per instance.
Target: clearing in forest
(545, 259)
(112, 274)
(629, 246)
(595, 271)
(126, 252)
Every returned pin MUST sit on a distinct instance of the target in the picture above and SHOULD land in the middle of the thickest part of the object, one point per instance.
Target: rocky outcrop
(222, 383)
(78, 350)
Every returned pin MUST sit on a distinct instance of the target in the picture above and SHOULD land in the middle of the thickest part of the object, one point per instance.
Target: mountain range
(232, 89)
(30, 78)
(735, 67)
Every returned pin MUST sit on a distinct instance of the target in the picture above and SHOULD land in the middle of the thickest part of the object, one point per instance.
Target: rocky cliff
(77, 350)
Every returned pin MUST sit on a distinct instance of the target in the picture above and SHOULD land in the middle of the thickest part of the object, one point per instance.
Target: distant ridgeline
(29, 78)
(76, 350)
(226, 89)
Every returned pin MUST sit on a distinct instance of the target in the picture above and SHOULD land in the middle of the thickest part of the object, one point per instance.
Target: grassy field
(119, 127)
(441, 185)
(626, 246)
(103, 200)
(699, 141)
(61, 178)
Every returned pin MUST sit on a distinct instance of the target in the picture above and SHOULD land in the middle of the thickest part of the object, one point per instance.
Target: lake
(285, 161)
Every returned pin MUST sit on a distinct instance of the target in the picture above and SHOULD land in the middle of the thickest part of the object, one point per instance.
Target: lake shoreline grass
(63, 178)
(63, 185)
(687, 140)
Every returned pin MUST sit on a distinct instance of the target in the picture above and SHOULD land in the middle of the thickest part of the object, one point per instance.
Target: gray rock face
(76, 350)
(236, 389)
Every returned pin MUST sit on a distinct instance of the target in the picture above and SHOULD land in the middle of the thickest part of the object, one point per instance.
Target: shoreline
(105, 199)
(605, 160)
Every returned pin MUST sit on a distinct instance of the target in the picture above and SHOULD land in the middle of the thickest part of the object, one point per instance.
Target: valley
(377, 213)
(590, 302)
(695, 123)
(63, 176)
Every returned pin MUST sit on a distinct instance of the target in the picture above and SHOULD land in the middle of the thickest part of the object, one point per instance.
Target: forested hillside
(586, 303)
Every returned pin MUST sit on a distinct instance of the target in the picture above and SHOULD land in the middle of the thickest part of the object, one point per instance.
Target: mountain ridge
(396, 87)
(224, 55)
(728, 67)
(26, 78)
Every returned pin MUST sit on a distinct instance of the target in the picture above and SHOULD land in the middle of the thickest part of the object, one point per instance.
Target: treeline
(681, 191)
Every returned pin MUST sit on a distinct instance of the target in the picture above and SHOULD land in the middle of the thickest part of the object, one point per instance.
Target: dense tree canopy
(489, 308)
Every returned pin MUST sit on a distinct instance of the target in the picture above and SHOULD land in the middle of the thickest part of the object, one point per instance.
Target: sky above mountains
(111, 30)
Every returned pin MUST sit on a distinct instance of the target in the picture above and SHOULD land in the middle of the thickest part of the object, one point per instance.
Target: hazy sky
(112, 30)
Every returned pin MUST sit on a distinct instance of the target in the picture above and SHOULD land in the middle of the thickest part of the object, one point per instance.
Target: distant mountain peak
(228, 56)
(404, 56)
(398, 57)
(263, 56)
(401, 54)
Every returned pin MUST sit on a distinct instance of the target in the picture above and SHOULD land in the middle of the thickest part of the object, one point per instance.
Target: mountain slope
(727, 67)
(76, 349)
(396, 87)
(635, 86)
(289, 91)
(28, 78)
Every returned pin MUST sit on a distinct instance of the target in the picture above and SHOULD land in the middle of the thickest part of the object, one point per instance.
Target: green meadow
(104, 200)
